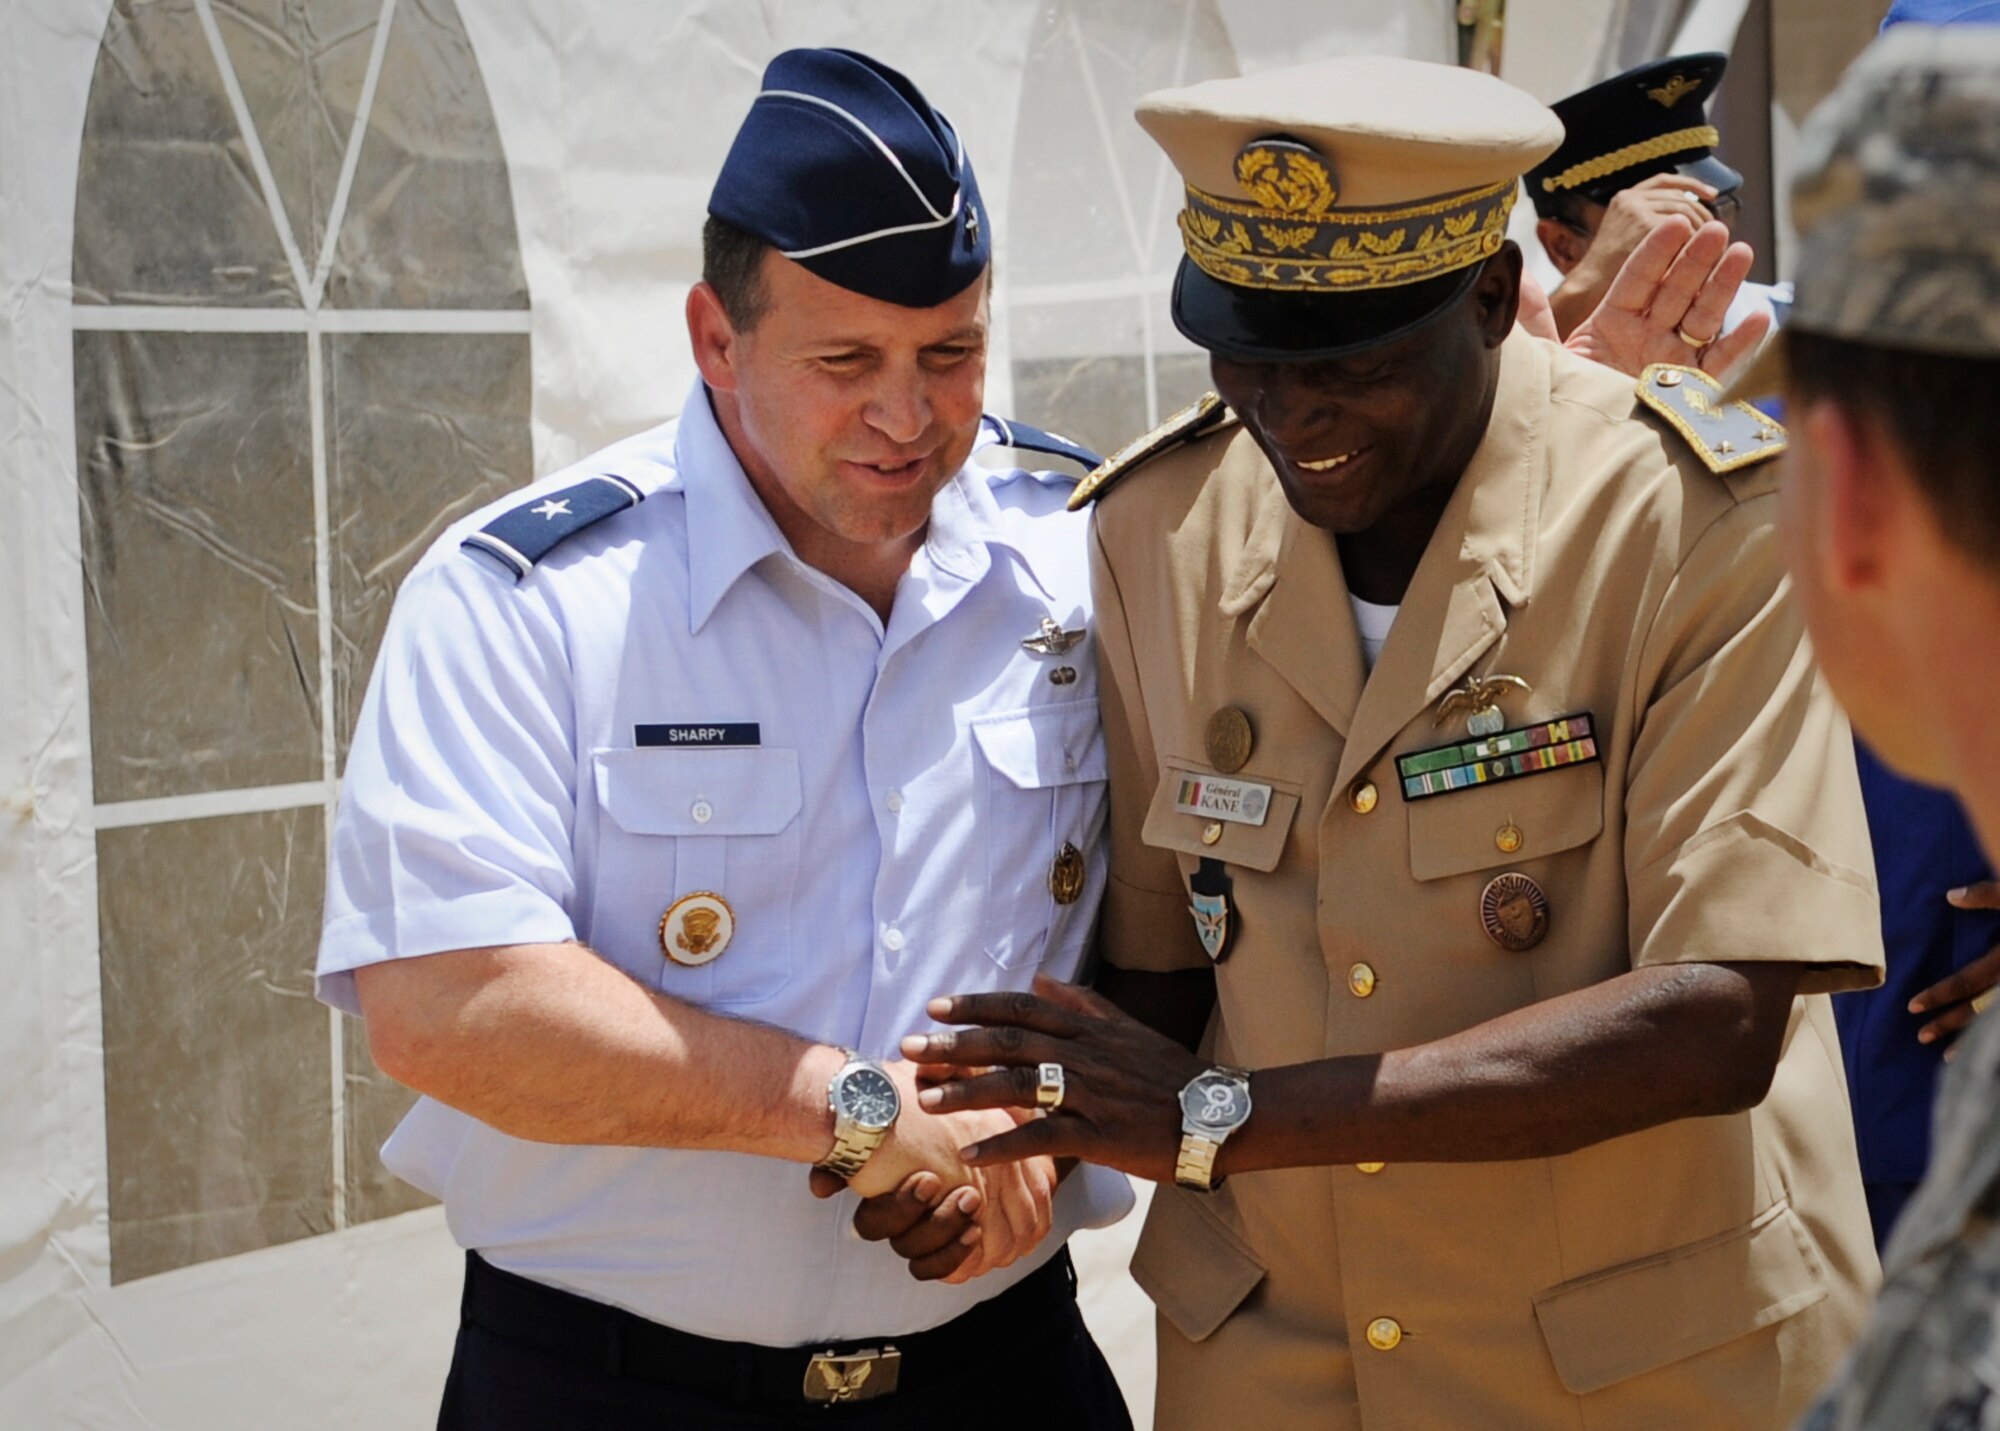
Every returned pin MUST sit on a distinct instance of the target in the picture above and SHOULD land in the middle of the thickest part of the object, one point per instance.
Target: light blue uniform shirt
(889, 838)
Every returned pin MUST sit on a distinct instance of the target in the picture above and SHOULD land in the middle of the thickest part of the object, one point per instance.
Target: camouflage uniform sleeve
(1929, 1359)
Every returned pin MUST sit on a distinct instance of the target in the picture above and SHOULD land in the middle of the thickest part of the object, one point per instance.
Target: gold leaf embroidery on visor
(1294, 240)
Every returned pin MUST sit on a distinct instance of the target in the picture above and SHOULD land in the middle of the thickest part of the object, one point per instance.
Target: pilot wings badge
(1051, 639)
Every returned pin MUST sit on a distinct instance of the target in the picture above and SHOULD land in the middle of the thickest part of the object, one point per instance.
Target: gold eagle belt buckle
(839, 1377)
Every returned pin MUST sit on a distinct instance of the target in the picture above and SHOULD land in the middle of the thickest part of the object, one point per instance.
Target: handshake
(964, 1179)
(948, 1220)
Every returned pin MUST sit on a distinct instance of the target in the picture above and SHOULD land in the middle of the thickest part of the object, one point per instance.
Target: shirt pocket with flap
(681, 822)
(1234, 842)
(1042, 787)
(1471, 830)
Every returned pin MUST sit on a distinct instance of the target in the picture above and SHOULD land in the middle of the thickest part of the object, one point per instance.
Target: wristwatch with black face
(1213, 1105)
(865, 1103)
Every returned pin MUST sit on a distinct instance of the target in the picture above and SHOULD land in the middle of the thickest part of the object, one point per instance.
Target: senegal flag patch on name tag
(1504, 755)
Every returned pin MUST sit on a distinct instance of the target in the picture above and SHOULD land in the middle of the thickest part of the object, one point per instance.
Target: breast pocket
(685, 822)
(1515, 822)
(1042, 788)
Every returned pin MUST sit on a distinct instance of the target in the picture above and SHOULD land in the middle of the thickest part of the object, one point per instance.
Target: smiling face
(847, 413)
(1353, 439)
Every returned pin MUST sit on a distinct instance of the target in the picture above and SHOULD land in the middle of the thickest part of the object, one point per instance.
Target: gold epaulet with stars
(1207, 413)
(1725, 435)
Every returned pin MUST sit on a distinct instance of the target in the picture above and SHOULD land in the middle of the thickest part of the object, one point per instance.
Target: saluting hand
(1122, 1080)
(1668, 303)
(1962, 994)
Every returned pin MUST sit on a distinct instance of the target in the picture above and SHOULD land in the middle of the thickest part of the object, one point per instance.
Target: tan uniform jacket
(1701, 1276)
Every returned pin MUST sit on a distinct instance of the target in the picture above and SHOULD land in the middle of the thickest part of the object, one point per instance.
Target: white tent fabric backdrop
(283, 287)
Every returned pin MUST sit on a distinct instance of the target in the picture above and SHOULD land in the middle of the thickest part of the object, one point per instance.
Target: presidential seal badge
(1514, 912)
(1478, 700)
(696, 928)
(1066, 874)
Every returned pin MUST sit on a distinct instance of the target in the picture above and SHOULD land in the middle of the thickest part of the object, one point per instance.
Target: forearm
(549, 1042)
(1577, 297)
(1649, 1047)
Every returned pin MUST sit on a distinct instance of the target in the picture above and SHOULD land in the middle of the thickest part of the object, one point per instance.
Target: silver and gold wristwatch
(1213, 1105)
(865, 1103)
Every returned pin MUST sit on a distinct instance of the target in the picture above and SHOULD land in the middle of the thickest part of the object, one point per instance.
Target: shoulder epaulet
(524, 534)
(1725, 435)
(1033, 439)
(1207, 413)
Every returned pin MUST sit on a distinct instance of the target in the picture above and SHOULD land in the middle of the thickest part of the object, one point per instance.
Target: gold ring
(1049, 1087)
(1696, 343)
(1982, 1002)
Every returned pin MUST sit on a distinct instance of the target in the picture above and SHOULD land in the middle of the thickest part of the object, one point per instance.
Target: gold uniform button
(1364, 797)
(1385, 1334)
(1212, 832)
(1370, 1167)
(1508, 838)
(1361, 981)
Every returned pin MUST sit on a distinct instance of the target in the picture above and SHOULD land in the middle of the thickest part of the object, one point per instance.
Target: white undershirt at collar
(1373, 622)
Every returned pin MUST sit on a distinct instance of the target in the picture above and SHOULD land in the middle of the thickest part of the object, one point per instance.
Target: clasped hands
(965, 1182)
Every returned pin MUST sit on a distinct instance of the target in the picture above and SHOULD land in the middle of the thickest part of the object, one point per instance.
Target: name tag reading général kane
(1215, 797)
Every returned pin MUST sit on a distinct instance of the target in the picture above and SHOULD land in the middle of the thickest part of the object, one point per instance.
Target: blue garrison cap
(1942, 12)
(843, 166)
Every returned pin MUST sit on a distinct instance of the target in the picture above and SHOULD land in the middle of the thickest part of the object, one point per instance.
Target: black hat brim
(1712, 172)
(1258, 325)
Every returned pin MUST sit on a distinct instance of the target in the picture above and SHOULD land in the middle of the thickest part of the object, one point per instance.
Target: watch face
(1212, 1101)
(869, 1098)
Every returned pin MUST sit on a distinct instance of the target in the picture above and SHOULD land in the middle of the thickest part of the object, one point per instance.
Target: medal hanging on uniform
(1209, 889)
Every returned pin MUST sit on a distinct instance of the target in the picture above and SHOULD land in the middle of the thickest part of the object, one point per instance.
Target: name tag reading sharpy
(714, 735)
(1214, 797)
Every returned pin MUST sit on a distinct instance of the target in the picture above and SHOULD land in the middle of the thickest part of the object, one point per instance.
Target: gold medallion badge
(696, 928)
(1229, 740)
(1478, 700)
(1514, 912)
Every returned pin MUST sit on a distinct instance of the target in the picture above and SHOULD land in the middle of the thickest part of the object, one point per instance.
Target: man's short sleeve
(459, 796)
(1745, 838)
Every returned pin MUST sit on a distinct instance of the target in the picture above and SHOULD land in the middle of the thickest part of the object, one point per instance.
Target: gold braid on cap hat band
(1702, 136)
(1311, 247)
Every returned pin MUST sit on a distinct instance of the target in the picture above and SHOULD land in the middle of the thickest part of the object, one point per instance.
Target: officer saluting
(1638, 149)
(1473, 790)
(685, 777)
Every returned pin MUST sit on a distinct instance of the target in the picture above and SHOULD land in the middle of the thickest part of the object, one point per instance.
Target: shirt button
(1361, 981)
(1385, 1333)
(1370, 1167)
(703, 812)
(894, 800)
(892, 939)
(1069, 761)
(1508, 838)
(1363, 797)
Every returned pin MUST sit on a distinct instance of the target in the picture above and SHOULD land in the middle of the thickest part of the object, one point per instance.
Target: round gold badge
(1514, 911)
(1229, 740)
(696, 928)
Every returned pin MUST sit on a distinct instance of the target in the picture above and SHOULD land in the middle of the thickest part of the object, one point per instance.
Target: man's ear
(1496, 294)
(1563, 244)
(1859, 501)
(713, 337)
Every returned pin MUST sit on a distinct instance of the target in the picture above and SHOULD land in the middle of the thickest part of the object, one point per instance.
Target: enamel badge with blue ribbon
(1208, 902)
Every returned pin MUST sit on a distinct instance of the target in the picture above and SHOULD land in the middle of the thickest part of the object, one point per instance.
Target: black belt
(608, 1339)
